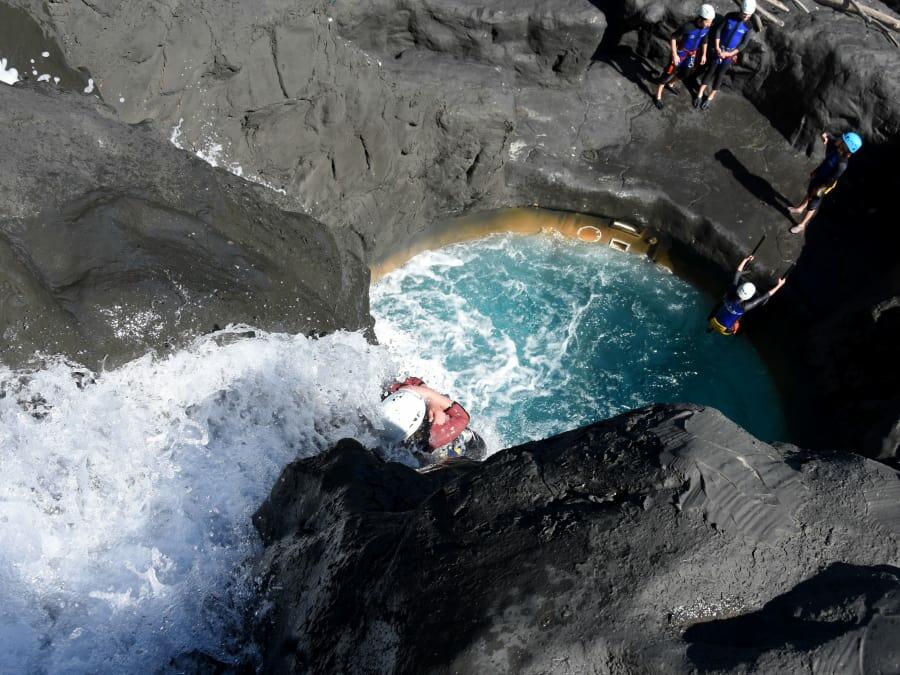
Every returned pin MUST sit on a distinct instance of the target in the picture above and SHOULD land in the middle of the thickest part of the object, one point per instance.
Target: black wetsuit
(690, 38)
(727, 316)
(825, 176)
(732, 33)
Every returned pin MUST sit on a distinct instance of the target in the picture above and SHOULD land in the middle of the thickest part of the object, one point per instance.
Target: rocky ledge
(663, 540)
(113, 242)
(381, 120)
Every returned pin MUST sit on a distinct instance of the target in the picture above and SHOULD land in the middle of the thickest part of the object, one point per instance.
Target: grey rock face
(114, 242)
(664, 540)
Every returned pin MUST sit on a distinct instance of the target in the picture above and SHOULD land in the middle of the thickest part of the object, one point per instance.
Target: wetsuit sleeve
(457, 421)
(717, 33)
(737, 278)
(746, 39)
(679, 33)
(756, 302)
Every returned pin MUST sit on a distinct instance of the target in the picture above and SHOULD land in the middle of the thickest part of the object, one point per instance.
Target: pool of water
(536, 335)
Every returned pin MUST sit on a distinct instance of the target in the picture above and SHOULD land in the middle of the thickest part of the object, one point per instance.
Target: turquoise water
(536, 335)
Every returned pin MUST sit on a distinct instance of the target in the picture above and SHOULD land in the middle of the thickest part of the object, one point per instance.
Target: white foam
(125, 505)
(44, 78)
(8, 75)
(213, 153)
(90, 86)
(45, 55)
(458, 306)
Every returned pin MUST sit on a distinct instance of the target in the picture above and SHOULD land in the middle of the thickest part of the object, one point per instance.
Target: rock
(23, 43)
(114, 242)
(652, 542)
(479, 112)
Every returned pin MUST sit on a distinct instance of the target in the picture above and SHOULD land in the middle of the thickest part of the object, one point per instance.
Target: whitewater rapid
(126, 497)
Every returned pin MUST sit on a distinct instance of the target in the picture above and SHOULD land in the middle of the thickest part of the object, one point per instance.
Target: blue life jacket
(729, 314)
(694, 38)
(732, 33)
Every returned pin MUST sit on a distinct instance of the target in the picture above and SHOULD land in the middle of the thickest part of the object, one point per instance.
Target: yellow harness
(720, 329)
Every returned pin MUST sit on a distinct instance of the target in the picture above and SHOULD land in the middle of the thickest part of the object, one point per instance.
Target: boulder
(389, 118)
(664, 540)
(114, 242)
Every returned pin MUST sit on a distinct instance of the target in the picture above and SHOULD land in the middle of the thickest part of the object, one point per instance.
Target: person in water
(730, 37)
(685, 43)
(824, 177)
(726, 319)
(428, 421)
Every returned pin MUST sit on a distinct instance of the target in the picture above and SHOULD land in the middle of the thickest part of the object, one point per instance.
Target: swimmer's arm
(436, 403)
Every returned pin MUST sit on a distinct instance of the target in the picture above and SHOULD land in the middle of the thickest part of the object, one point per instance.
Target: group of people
(730, 37)
(689, 46)
(436, 427)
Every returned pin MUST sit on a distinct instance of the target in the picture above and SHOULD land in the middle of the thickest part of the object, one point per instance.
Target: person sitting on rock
(429, 422)
(685, 42)
(726, 318)
(731, 36)
(824, 177)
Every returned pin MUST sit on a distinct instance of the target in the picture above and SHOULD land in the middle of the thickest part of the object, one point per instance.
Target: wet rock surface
(386, 119)
(113, 242)
(664, 540)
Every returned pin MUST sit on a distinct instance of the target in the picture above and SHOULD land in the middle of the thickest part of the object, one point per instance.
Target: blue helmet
(852, 140)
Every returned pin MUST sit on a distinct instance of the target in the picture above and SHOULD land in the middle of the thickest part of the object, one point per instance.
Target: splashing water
(537, 335)
(126, 498)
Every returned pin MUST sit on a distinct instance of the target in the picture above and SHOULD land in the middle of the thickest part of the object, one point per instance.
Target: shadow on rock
(847, 614)
(632, 67)
(759, 187)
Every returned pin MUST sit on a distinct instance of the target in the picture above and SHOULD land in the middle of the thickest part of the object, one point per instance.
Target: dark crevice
(366, 153)
(273, 40)
(558, 64)
(471, 170)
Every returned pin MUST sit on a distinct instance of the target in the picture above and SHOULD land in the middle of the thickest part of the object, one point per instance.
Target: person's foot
(658, 103)
(705, 105)
(697, 101)
(797, 229)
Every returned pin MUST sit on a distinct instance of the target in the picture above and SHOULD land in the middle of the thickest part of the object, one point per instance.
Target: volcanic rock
(113, 242)
(386, 118)
(664, 540)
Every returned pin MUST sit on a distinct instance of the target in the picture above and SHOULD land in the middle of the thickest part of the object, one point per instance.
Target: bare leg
(712, 94)
(799, 227)
(801, 207)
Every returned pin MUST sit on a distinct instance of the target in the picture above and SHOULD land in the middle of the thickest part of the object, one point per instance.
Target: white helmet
(403, 412)
(746, 290)
(707, 12)
(748, 6)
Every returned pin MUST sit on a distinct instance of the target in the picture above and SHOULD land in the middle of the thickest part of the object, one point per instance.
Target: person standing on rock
(825, 176)
(685, 42)
(726, 318)
(731, 36)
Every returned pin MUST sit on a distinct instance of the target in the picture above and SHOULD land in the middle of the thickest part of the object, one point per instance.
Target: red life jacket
(439, 434)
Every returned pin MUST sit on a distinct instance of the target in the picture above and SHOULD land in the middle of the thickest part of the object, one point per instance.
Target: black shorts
(716, 72)
(816, 191)
(682, 70)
